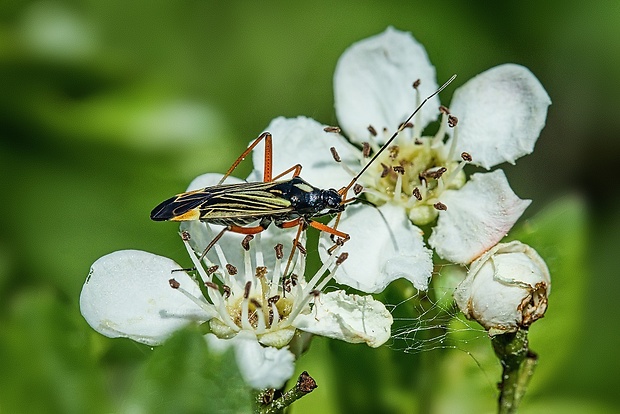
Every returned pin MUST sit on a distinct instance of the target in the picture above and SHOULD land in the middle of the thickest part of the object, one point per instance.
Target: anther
(294, 279)
(335, 154)
(434, 173)
(174, 284)
(416, 84)
(211, 285)
(466, 156)
(256, 303)
(185, 235)
(440, 206)
(444, 110)
(372, 130)
(343, 256)
(316, 293)
(286, 284)
(365, 149)
(332, 129)
(416, 193)
(227, 291)
(279, 251)
(232, 270)
(261, 271)
(246, 289)
(386, 170)
(399, 169)
(212, 269)
(273, 299)
(452, 121)
(300, 247)
(394, 150)
(357, 188)
(245, 243)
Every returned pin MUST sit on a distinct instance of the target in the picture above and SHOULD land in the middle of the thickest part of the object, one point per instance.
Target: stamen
(372, 130)
(440, 206)
(247, 264)
(452, 121)
(335, 154)
(455, 137)
(245, 243)
(201, 302)
(276, 315)
(366, 149)
(398, 187)
(192, 255)
(260, 260)
(275, 278)
(456, 171)
(357, 189)
(441, 132)
(333, 129)
(417, 123)
(232, 270)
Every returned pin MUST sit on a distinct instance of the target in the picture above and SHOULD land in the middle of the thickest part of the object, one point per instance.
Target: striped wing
(228, 204)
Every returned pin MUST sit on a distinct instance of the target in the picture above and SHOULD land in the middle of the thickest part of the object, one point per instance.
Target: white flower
(419, 178)
(506, 288)
(245, 298)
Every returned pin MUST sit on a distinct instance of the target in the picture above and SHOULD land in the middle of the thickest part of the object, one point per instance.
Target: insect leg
(331, 230)
(268, 157)
(296, 171)
(234, 229)
(301, 227)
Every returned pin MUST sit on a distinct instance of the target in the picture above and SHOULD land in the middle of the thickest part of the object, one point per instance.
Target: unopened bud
(506, 288)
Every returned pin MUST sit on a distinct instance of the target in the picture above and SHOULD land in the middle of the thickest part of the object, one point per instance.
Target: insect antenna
(343, 191)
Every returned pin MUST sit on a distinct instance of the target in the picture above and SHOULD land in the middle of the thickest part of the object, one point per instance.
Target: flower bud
(506, 288)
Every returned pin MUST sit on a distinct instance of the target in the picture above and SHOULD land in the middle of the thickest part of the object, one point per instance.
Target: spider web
(427, 321)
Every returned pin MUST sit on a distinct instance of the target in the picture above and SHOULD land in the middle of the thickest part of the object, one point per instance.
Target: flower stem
(518, 363)
(305, 385)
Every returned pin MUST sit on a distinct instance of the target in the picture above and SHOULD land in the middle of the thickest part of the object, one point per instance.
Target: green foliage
(183, 376)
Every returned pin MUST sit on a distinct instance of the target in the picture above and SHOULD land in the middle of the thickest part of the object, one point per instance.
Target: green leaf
(184, 376)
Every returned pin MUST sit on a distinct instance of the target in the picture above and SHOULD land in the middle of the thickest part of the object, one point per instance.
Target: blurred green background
(108, 107)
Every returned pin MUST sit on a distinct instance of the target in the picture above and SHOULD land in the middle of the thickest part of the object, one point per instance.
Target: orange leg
(268, 157)
(296, 171)
(234, 229)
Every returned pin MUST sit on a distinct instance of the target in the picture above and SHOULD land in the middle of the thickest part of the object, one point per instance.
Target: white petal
(303, 141)
(384, 246)
(350, 318)
(479, 215)
(127, 294)
(506, 288)
(501, 113)
(373, 84)
(261, 367)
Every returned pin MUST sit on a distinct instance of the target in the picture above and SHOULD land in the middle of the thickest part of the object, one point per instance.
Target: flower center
(256, 298)
(414, 173)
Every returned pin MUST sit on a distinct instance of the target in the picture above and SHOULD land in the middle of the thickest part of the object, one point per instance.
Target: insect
(286, 203)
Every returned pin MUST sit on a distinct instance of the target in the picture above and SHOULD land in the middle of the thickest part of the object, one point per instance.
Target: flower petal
(303, 141)
(478, 216)
(350, 318)
(127, 294)
(384, 246)
(501, 113)
(261, 367)
(373, 84)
